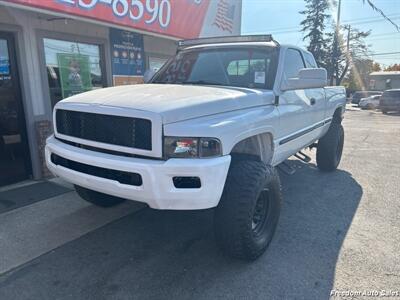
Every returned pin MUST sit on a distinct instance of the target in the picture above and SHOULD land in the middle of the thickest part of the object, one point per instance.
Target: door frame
(11, 39)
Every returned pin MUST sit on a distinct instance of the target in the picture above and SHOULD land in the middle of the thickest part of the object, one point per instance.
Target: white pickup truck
(207, 131)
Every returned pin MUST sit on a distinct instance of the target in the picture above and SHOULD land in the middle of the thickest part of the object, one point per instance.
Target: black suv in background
(363, 94)
(390, 101)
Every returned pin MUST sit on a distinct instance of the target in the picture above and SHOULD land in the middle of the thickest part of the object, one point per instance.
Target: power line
(294, 29)
(387, 53)
(371, 21)
(370, 18)
(387, 58)
(384, 34)
(381, 39)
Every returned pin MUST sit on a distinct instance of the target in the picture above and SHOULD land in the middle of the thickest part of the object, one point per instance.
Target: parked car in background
(390, 101)
(371, 102)
(357, 96)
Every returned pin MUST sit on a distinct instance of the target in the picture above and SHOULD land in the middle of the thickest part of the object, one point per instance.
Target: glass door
(14, 153)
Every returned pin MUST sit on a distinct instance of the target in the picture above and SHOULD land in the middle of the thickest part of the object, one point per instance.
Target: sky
(282, 19)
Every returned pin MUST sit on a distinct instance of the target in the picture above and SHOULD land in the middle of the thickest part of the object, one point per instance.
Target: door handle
(313, 101)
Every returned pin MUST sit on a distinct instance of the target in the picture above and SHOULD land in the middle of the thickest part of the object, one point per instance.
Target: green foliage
(358, 78)
(313, 26)
(352, 48)
(394, 67)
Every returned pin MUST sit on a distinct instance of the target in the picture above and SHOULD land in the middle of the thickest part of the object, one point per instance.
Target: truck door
(301, 110)
(317, 95)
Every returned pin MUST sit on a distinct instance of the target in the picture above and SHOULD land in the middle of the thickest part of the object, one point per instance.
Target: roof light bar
(226, 39)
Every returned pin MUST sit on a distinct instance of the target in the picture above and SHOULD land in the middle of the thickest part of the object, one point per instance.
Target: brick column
(43, 130)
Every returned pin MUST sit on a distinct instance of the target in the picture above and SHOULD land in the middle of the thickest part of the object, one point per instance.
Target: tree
(335, 49)
(376, 67)
(313, 26)
(352, 47)
(394, 67)
(358, 78)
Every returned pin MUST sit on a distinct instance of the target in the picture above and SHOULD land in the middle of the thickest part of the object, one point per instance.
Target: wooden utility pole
(340, 78)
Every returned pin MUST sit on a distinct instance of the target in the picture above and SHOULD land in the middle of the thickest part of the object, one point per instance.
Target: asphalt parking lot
(338, 231)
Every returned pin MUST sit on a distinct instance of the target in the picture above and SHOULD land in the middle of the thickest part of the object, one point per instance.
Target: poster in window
(75, 74)
(4, 66)
(127, 56)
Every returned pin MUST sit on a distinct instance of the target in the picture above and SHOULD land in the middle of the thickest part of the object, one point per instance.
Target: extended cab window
(310, 60)
(240, 67)
(293, 63)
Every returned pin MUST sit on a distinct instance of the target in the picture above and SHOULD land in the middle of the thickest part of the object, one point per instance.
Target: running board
(302, 156)
(286, 168)
(312, 146)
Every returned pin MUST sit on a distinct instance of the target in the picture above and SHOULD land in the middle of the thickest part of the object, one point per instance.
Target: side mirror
(148, 75)
(307, 79)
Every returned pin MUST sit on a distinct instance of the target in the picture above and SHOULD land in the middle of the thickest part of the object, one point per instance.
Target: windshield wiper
(205, 82)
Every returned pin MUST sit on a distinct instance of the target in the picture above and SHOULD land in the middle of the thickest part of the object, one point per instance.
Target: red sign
(178, 18)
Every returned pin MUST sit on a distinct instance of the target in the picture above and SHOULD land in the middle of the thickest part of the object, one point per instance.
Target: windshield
(238, 67)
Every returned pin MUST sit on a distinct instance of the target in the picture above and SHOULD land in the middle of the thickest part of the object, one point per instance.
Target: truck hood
(175, 102)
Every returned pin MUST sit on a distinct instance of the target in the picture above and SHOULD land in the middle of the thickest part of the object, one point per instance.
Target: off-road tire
(330, 148)
(249, 184)
(97, 198)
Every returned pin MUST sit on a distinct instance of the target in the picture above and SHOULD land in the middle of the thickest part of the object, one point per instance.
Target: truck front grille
(108, 129)
(120, 176)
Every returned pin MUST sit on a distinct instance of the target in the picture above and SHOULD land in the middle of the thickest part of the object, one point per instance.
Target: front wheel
(247, 215)
(330, 148)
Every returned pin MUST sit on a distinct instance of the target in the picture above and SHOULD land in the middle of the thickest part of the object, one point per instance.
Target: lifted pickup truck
(207, 131)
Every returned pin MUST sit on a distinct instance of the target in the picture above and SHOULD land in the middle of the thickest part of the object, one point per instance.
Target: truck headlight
(187, 147)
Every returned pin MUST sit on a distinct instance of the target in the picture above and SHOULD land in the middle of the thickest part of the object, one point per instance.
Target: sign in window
(72, 68)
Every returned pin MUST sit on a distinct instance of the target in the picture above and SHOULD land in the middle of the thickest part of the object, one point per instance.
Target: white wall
(380, 82)
(29, 28)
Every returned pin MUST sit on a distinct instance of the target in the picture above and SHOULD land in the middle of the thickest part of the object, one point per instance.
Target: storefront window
(72, 68)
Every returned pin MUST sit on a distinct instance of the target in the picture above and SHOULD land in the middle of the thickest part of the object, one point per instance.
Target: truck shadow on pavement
(173, 254)
(393, 114)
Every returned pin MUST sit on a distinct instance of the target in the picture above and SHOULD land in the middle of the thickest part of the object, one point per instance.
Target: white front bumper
(157, 190)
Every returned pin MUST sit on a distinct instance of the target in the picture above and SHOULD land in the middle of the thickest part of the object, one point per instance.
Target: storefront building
(52, 49)
(384, 80)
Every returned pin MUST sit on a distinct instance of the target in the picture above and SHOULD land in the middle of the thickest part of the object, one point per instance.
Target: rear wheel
(330, 148)
(97, 198)
(247, 215)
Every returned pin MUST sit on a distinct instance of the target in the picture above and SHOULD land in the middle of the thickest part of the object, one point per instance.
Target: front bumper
(157, 189)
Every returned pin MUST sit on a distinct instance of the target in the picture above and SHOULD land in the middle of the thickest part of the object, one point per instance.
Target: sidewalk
(37, 217)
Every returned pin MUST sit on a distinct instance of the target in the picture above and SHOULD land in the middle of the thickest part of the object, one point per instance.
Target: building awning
(166, 18)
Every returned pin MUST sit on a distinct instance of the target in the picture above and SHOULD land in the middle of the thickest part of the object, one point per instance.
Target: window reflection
(72, 68)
